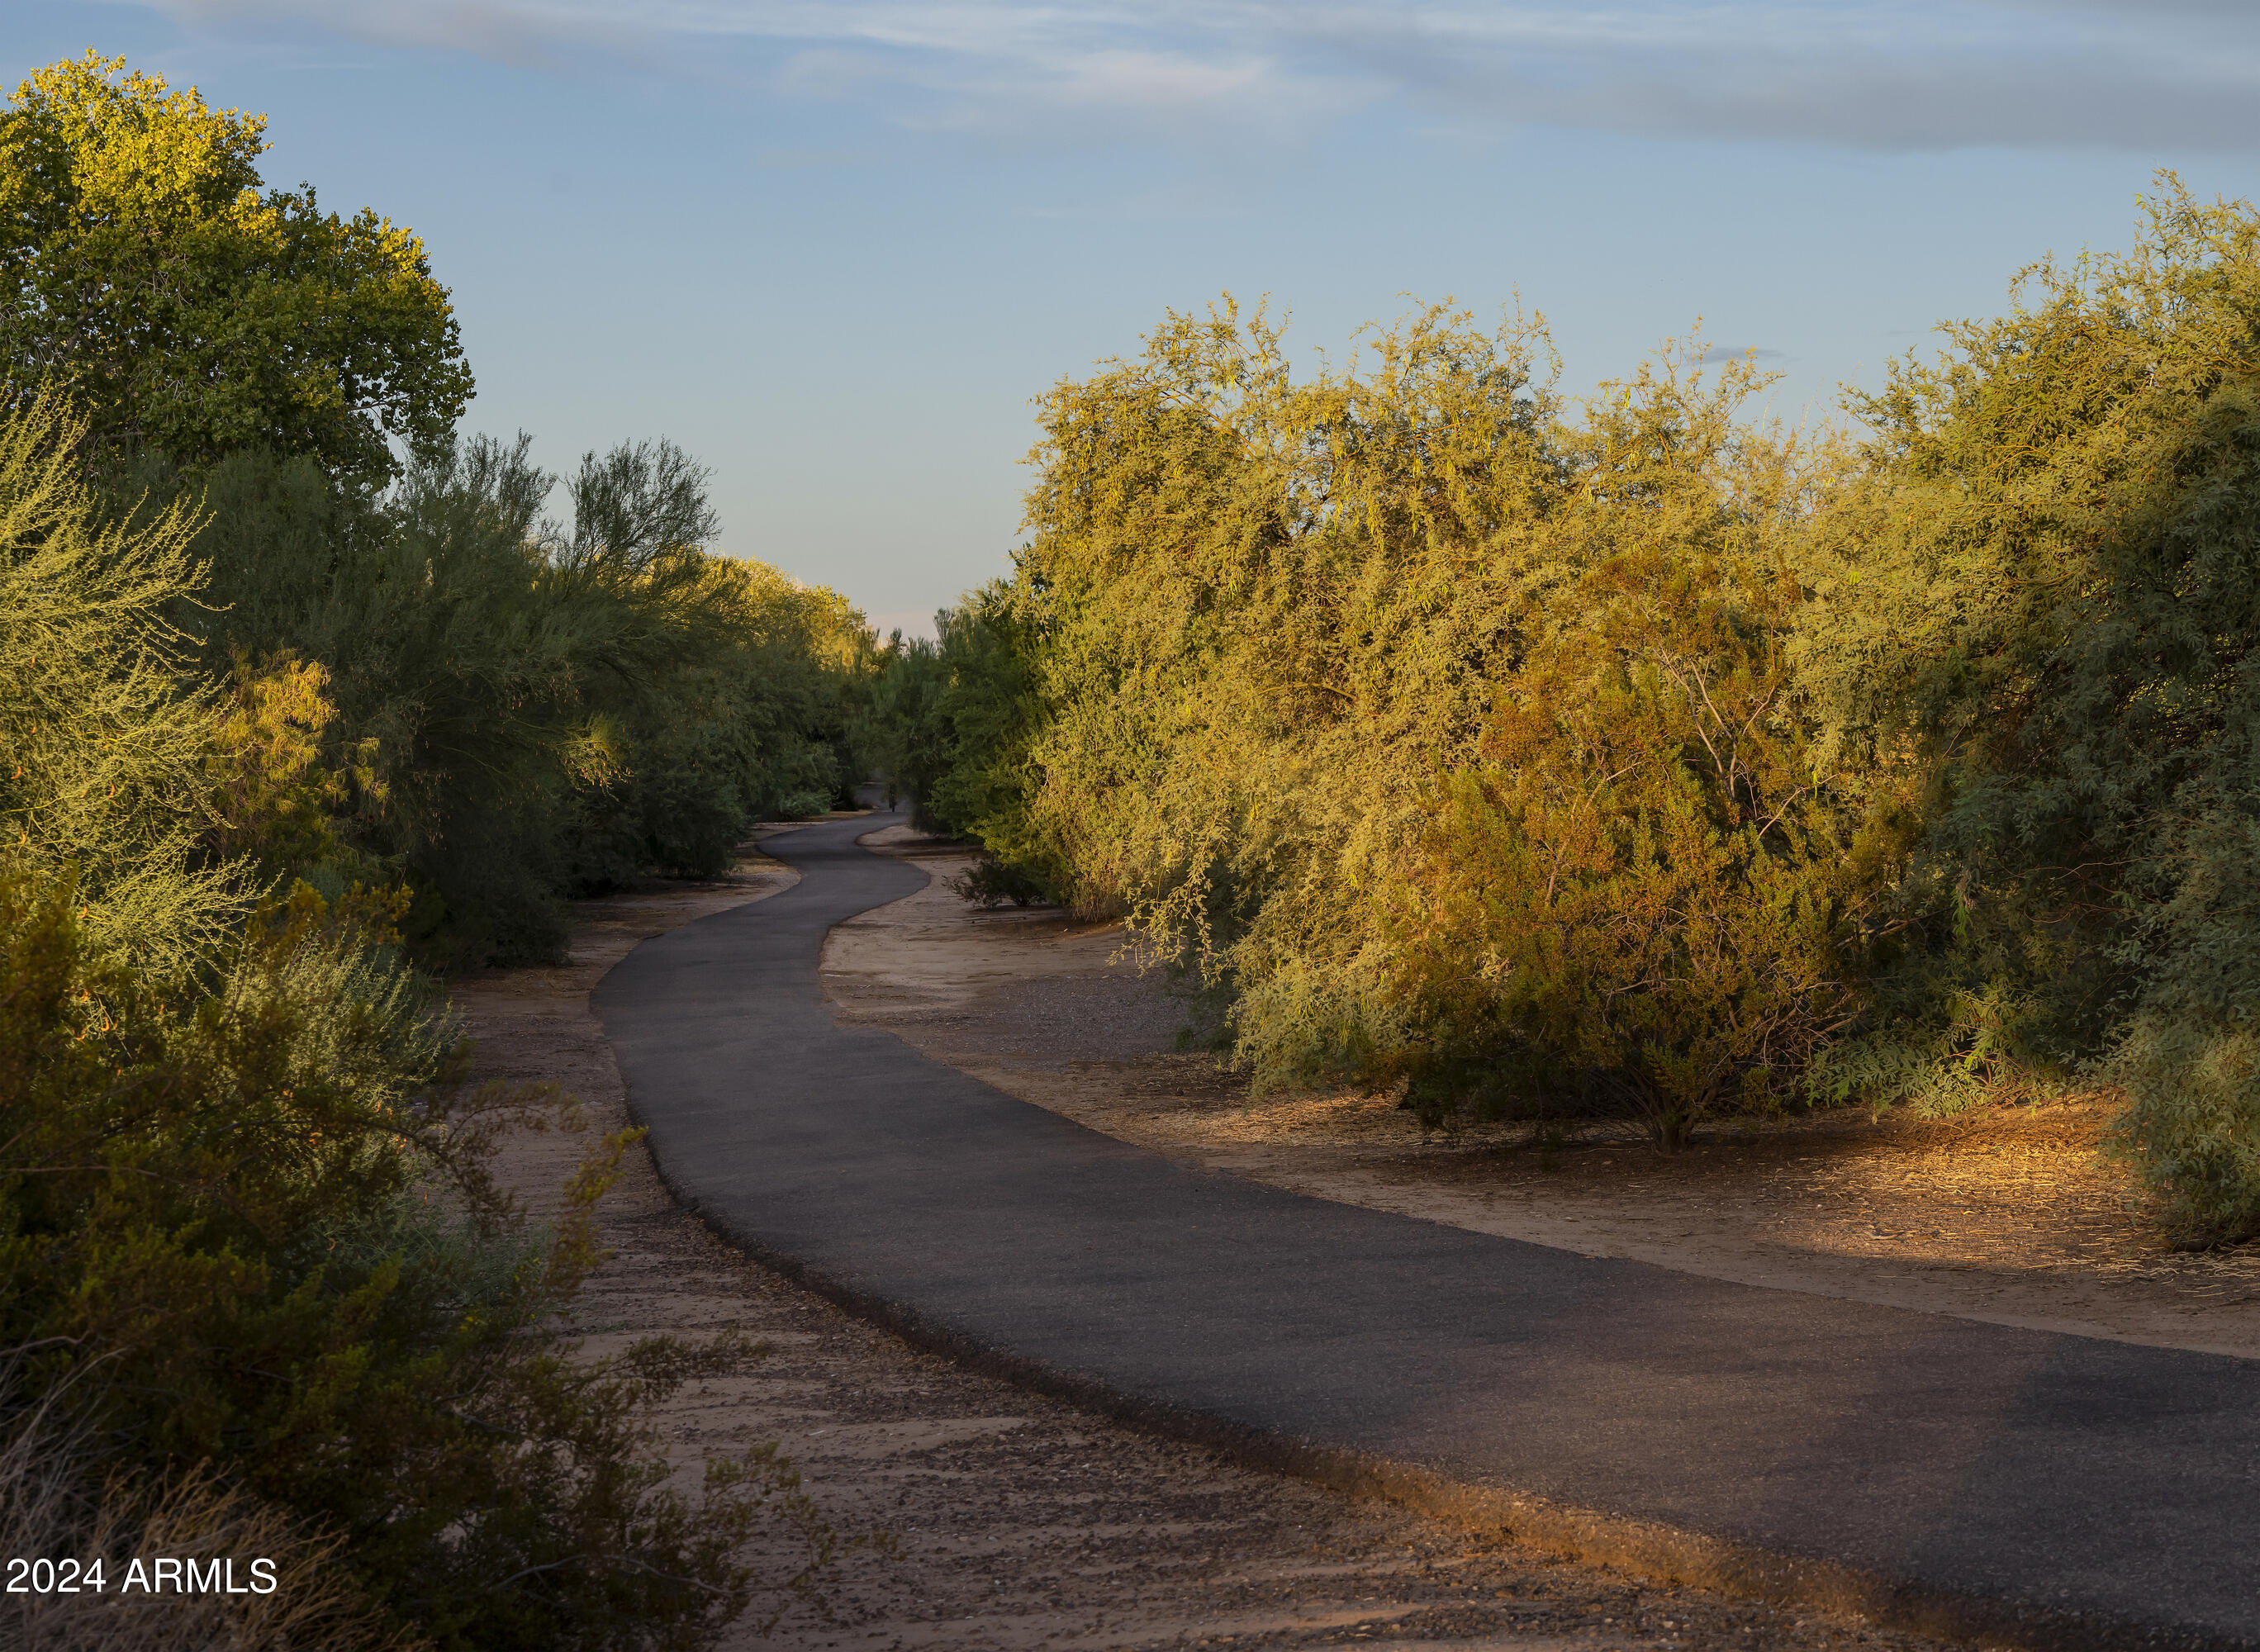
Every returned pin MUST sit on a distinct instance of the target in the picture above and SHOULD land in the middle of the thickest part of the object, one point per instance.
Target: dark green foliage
(429, 613)
(950, 724)
(252, 1228)
(991, 882)
(901, 732)
(549, 714)
(2055, 628)
(991, 710)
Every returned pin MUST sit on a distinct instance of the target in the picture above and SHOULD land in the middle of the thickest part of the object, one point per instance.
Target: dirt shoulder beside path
(1012, 1520)
(2006, 1216)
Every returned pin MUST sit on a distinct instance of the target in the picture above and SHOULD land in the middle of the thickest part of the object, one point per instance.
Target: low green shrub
(989, 882)
(253, 1229)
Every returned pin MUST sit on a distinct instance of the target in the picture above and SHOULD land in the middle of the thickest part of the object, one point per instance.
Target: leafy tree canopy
(2045, 608)
(142, 266)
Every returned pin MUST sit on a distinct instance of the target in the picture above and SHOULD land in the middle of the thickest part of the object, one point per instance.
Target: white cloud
(1889, 74)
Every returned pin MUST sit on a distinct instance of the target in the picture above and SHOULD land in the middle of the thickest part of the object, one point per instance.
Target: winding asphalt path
(2111, 1490)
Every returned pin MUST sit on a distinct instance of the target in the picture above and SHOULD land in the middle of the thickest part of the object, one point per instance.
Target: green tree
(2047, 610)
(949, 725)
(990, 710)
(245, 1217)
(142, 266)
(526, 711)
(900, 733)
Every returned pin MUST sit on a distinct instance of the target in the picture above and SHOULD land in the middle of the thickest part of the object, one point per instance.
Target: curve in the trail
(2067, 1479)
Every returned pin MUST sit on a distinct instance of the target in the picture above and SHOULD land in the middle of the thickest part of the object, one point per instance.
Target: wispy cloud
(1889, 74)
(1719, 354)
(811, 160)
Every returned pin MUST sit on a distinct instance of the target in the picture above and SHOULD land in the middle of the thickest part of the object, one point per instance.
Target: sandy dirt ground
(2007, 1215)
(985, 1517)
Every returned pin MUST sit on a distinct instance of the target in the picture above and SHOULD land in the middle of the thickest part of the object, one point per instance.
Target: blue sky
(834, 246)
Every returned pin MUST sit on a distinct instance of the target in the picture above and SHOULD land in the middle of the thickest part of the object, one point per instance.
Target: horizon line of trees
(1547, 758)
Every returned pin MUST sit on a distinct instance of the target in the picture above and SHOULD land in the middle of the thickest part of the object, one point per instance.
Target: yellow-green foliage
(273, 800)
(1253, 615)
(141, 266)
(105, 744)
(948, 724)
(1330, 669)
(1530, 754)
(1640, 892)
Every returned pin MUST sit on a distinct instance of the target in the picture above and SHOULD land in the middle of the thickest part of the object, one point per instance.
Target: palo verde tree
(107, 780)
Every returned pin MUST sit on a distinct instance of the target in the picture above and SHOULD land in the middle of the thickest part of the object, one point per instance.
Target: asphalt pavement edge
(1587, 1536)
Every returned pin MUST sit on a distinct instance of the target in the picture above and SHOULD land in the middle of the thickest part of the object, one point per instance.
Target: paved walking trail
(2048, 1489)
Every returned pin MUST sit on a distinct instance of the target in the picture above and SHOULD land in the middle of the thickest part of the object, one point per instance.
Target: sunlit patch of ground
(2011, 1214)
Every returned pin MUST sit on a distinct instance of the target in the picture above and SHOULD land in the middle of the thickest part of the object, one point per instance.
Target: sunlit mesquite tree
(1325, 664)
(1257, 609)
(192, 313)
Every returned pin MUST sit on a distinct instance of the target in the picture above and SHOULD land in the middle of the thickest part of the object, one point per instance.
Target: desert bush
(2045, 612)
(443, 646)
(1639, 894)
(989, 882)
(254, 1230)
